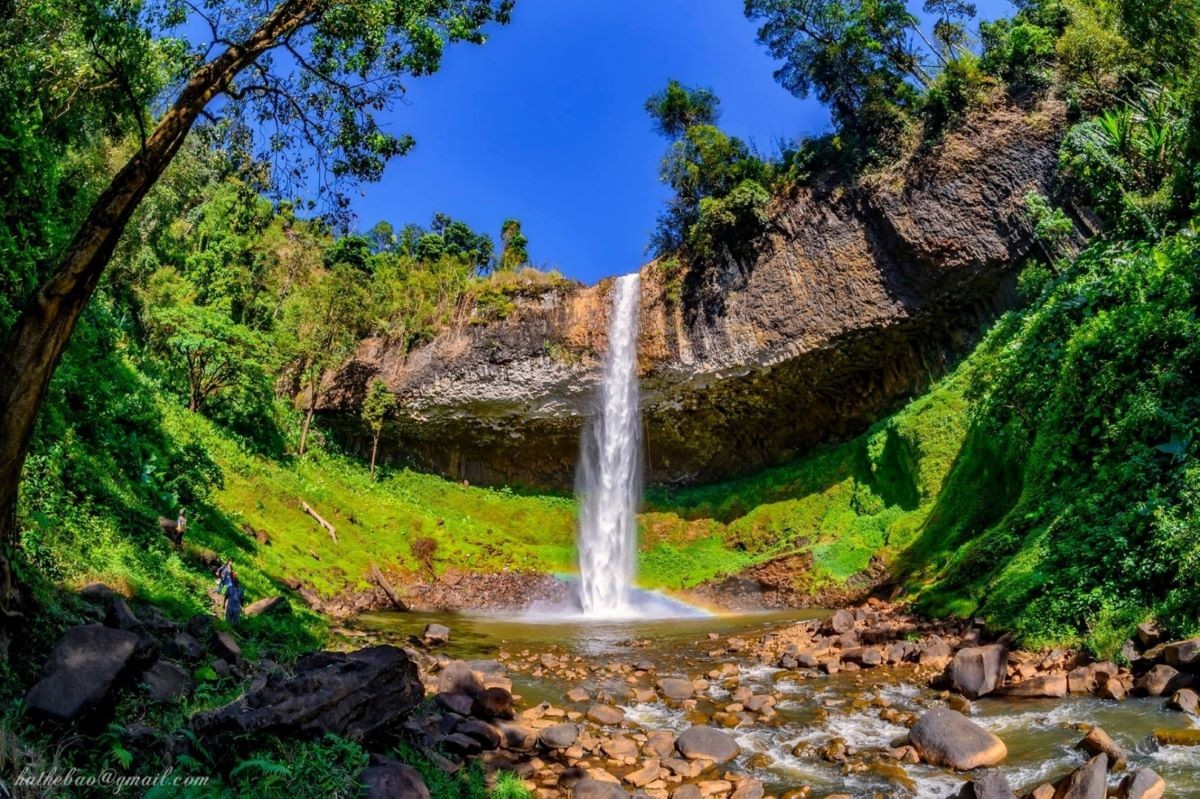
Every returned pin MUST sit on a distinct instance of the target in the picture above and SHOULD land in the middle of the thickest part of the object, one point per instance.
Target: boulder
(457, 677)
(488, 736)
(560, 736)
(455, 703)
(516, 735)
(646, 774)
(1161, 680)
(946, 737)
(619, 747)
(354, 695)
(676, 689)
(85, 664)
(1182, 653)
(457, 743)
(1185, 699)
(98, 593)
(385, 778)
(1089, 781)
(436, 634)
(120, 615)
(978, 670)
(605, 715)
(1143, 783)
(989, 785)
(748, 788)
(707, 743)
(226, 647)
(166, 682)
(597, 789)
(200, 626)
(660, 744)
(1052, 686)
(1148, 633)
(934, 652)
(492, 703)
(689, 791)
(1097, 741)
(186, 646)
(842, 621)
(270, 605)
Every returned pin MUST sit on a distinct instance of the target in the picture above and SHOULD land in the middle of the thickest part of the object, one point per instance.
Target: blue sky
(545, 123)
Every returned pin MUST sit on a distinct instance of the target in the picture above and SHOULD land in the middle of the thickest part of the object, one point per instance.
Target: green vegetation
(719, 197)
(1050, 483)
(868, 497)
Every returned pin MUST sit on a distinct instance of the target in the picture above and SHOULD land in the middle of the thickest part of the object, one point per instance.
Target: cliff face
(858, 295)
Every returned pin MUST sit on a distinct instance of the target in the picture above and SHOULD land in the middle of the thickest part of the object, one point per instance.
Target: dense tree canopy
(860, 57)
(677, 108)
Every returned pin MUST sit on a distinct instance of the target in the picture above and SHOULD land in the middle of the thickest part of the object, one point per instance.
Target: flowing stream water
(1040, 733)
(609, 478)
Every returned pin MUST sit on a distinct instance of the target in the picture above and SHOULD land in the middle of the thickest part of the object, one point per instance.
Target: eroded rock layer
(858, 294)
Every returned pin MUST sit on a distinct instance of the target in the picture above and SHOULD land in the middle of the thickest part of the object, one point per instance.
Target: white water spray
(609, 478)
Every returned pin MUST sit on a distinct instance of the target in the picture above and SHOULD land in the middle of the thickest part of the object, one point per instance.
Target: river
(793, 749)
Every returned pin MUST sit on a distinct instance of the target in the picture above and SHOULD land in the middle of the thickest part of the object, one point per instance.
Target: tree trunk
(374, 449)
(308, 414)
(39, 336)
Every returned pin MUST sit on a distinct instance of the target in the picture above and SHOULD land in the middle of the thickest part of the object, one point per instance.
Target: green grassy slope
(869, 496)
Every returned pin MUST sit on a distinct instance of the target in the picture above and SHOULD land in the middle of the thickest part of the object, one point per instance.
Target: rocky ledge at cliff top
(859, 292)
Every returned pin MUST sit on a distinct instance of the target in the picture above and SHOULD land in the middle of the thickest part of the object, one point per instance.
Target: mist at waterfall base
(608, 483)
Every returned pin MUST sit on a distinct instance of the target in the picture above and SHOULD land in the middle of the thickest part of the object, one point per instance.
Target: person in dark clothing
(233, 602)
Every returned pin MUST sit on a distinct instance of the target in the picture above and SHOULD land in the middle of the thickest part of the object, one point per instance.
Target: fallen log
(383, 583)
(320, 520)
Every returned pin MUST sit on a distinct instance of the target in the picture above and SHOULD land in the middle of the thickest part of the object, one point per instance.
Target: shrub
(424, 548)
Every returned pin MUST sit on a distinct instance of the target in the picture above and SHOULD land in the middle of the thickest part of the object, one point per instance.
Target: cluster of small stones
(588, 748)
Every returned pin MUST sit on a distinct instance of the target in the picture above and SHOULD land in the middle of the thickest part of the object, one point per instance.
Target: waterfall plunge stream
(609, 479)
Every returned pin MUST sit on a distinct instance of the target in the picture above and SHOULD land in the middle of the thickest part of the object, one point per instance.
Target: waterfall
(609, 478)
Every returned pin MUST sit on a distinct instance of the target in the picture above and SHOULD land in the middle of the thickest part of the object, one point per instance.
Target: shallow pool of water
(1040, 734)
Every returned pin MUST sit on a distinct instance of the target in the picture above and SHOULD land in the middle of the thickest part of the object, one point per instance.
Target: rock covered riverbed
(862, 703)
(868, 702)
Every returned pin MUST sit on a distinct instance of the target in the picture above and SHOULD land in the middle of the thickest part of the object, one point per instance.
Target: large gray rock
(605, 715)
(390, 779)
(166, 682)
(457, 677)
(1089, 781)
(1097, 741)
(989, 785)
(597, 789)
(436, 633)
(82, 669)
(488, 736)
(707, 743)
(1143, 783)
(676, 688)
(842, 621)
(492, 703)
(560, 736)
(1185, 699)
(355, 695)
(978, 670)
(1182, 653)
(1161, 680)
(946, 737)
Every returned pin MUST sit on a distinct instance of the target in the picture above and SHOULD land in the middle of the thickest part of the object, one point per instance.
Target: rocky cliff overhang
(860, 293)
